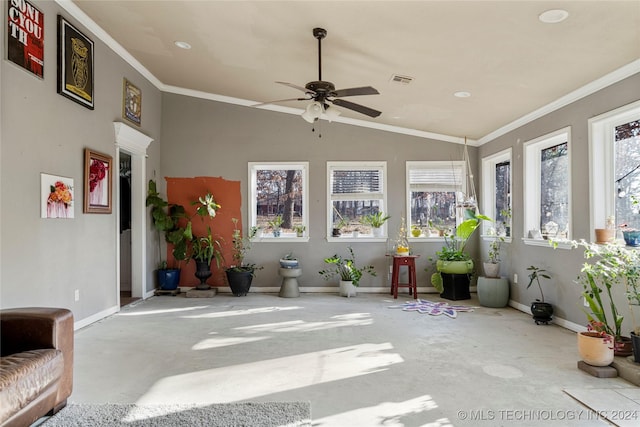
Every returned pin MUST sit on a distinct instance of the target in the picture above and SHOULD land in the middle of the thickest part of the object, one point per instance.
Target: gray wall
(44, 260)
(564, 265)
(203, 137)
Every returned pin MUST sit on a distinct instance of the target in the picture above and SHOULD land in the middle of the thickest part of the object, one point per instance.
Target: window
(434, 190)
(614, 151)
(496, 192)
(547, 187)
(279, 190)
(355, 189)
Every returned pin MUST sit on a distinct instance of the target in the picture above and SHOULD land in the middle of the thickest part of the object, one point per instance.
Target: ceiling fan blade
(357, 107)
(280, 100)
(355, 91)
(304, 89)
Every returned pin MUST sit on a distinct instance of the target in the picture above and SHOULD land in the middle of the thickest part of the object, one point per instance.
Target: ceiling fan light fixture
(182, 45)
(313, 112)
(331, 113)
(553, 16)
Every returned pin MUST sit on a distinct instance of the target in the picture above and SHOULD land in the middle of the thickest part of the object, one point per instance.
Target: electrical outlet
(515, 278)
(77, 295)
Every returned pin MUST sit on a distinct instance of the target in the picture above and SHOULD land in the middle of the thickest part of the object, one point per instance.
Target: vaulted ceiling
(499, 52)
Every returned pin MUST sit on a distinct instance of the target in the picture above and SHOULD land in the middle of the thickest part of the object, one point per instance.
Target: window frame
(531, 183)
(253, 201)
(489, 164)
(601, 161)
(356, 165)
(432, 164)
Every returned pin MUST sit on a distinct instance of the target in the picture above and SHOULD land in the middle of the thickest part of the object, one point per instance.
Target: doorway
(125, 230)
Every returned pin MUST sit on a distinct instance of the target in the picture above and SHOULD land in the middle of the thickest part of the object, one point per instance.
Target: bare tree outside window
(279, 192)
(554, 191)
(627, 173)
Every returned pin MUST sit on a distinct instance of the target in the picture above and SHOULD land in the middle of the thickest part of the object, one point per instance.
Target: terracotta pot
(594, 349)
(604, 235)
(623, 347)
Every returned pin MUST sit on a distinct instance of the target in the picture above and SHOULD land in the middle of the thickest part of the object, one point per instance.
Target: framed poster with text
(25, 36)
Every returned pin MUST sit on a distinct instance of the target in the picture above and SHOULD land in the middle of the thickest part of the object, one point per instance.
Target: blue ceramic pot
(632, 238)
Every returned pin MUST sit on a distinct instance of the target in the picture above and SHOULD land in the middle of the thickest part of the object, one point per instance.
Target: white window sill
(350, 238)
(561, 244)
(281, 239)
(490, 237)
(427, 239)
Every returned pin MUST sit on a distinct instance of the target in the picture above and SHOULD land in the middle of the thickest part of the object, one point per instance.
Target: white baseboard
(556, 320)
(95, 318)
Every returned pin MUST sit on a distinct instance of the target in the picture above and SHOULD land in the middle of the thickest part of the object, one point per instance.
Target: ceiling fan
(323, 93)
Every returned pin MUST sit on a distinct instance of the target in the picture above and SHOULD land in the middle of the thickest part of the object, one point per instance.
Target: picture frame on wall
(56, 196)
(98, 182)
(25, 36)
(75, 64)
(131, 103)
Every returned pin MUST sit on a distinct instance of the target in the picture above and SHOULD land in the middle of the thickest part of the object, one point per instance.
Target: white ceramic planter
(594, 350)
(347, 289)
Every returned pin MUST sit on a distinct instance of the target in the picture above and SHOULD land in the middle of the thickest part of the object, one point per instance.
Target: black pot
(635, 342)
(542, 312)
(239, 281)
(168, 279)
(203, 272)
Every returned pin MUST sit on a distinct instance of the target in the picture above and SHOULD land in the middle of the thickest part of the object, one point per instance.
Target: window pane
(627, 173)
(352, 211)
(279, 192)
(433, 209)
(554, 191)
(503, 196)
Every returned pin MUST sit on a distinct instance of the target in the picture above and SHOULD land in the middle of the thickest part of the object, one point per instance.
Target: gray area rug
(264, 414)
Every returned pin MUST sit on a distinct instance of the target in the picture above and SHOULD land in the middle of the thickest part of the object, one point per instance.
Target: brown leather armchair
(36, 363)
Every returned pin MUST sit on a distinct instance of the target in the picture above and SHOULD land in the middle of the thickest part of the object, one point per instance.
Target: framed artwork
(25, 36)
(56, 196)
(75, 64)
(131, 103)
(98, 172)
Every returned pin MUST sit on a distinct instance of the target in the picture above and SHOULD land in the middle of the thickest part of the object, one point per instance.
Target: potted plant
(204, 250)
(349, 273)
(240, 274)
(595, 346)
(276, 225)
(166, 218)
(416, 231)
(492, 266)
(611, 266)
(541, 310)
(452, 259)
(375, 220)
(299, 229)
(632, 293)
(289, 261)
(338, 226)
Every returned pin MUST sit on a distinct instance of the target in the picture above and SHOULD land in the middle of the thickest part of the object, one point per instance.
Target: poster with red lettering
(25, 36)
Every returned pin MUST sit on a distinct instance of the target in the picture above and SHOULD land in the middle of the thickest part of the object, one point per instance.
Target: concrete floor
(358, 362)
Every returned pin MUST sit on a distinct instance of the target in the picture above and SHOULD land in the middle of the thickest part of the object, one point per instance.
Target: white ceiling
(510, 62)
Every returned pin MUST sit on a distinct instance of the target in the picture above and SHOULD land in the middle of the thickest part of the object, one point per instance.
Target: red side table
(410, 262)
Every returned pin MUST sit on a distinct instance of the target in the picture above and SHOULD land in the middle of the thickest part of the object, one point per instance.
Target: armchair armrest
(32, 328)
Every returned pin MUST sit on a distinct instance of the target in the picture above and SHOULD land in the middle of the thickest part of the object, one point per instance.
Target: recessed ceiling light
(553, 16)
(182, 45)
(462, 94)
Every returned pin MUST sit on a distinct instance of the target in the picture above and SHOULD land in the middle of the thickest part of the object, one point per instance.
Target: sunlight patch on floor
(251, 380)
(248, 311)
(224, 342)
(353, 319)
(388, 414)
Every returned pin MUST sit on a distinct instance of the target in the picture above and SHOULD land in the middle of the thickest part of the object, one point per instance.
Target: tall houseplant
(452, 258)
(240, 274)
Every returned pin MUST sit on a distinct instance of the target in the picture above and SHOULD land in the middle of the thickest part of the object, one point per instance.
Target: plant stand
(456, 286)
(289, 287)
(493, 292)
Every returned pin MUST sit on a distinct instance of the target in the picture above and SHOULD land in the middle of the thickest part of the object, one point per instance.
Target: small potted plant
(338, 226)
(289, 261)
(375, 220)
(346, 269)
(595, 346)
(299, 229)
(240, 274)
(416, 231)
(492, 266)
(276, 225)
(541, 310)
(204, 250)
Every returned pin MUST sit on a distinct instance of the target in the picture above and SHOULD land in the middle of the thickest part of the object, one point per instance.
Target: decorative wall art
(75, 64)
(56, 196)
(131, 103)
(98, 182)
(25, 36)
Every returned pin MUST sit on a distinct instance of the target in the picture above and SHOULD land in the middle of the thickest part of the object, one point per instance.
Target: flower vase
(203, 272)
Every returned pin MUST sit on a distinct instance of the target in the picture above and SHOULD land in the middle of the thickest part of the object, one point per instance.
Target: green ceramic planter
(455, 267)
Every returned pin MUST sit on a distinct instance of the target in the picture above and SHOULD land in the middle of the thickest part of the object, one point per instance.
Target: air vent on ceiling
(403, 80)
